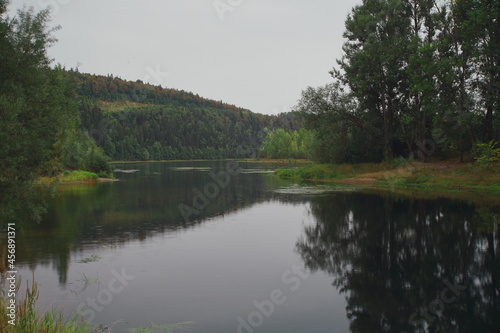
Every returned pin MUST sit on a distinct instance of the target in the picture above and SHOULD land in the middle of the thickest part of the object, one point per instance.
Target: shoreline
(251, 160)
(74, 177)
(451, 176)
(443, 176)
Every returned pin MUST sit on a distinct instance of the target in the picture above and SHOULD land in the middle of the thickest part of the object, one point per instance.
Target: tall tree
(479, 31)
(374, 56)
(35, 105)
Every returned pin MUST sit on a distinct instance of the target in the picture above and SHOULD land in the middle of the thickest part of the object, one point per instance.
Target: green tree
(372, 66)
(424, 77)
(342, 132)
(79, 152)
(35, 105)
(478, 29)
(278, 144)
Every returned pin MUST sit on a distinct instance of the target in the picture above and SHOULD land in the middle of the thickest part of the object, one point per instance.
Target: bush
(285, 173)
(79, 152)
(96, 161)
(487, 154)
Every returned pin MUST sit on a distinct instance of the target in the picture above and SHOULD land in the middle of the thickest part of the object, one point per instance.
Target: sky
(255, 54)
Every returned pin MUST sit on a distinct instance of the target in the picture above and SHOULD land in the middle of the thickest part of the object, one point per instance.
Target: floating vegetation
(88, 281)
(312, 190)
(192, 169)
(126, 171)
(256, 171)
(92, 258)
(157, 328)
(109, 245)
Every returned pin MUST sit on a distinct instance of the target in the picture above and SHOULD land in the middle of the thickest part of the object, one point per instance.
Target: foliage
(417, 78)
(136, 121)
(35, 100)
(341, 134)
(487, 154)
(79, 151)
(281, 144)
(36, 103)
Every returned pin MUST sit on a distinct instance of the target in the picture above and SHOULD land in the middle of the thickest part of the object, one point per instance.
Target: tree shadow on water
(406, 264)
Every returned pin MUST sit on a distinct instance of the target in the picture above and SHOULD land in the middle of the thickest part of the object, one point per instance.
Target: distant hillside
(137, 121)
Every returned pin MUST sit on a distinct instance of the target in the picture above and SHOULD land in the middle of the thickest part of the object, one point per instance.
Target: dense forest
(418, 79)
(137, 121)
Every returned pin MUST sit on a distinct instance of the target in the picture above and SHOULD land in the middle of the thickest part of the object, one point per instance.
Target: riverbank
(253, 160)
(75, 177)
(448, 175)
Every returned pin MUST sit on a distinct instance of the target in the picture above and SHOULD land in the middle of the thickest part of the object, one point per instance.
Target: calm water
(230, 248)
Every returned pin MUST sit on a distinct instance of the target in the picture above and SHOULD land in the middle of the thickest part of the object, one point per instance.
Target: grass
(28, 320)
(332, 171)
(70, 177)
(79, 176)
(400, 174)
(462, 178)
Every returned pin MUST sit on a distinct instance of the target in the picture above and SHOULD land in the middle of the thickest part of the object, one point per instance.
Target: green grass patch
(459, 178)
(79, 176)
(330, 171)
(28, 319)
(404, 175)
(309, 172)
(67, 177)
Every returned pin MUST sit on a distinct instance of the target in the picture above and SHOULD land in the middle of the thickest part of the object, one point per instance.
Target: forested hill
(137, 121)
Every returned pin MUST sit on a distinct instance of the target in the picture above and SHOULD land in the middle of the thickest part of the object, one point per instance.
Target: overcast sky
(256, 54)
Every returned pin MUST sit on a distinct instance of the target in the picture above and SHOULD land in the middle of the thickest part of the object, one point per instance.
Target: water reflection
(141, 205)
(408, 265)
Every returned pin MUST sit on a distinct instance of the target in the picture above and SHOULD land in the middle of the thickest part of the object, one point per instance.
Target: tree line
(137, 121)
(417, 78)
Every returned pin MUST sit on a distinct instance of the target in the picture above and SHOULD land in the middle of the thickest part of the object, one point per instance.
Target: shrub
(487, 154)
(78, 151)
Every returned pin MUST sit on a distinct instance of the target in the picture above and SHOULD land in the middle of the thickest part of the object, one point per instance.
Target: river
(222, 246)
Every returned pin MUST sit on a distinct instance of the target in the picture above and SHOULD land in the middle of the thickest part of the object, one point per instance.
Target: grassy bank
(73, 177)
(442, 176)
(28, 319)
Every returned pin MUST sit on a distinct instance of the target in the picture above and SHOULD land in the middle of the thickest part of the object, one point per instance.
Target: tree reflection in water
(403, 263)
